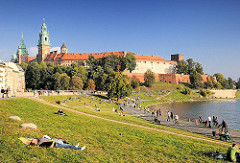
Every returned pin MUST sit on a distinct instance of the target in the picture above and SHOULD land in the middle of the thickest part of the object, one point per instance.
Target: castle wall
(169, 78)
(157, 67)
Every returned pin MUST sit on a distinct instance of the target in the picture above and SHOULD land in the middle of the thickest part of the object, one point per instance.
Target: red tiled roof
(31, 58)
(79, 56)
(145, 57)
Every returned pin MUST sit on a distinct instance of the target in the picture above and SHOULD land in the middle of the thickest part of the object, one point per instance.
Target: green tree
(149, 78)
(135, 83)
(195, 80)
(238, 84)
(33, 76)
(99, 77)
(191, 65)
(118, 86)
(24, 66)
(199, 68)
(230, 83)
(76, 83)
(56, 81)
(182, 68)
(220, 78)
(91, 85)
(64, 81)
(131, 61)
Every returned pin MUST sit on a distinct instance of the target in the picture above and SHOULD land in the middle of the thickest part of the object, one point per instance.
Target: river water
(225, 110)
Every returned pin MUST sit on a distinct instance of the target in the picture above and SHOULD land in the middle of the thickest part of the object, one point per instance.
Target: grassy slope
(110, 115)
(103, 139)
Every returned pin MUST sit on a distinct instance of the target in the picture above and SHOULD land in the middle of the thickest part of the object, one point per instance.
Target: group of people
(174, 118)
(211, 121)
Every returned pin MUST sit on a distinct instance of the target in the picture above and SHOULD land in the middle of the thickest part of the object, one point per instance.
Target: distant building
(21, 54)
(12, 77)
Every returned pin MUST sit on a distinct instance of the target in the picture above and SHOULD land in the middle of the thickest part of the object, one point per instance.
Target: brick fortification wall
(169, 78)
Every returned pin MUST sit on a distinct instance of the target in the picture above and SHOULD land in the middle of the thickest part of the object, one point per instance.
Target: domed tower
(22, 53)
(43, 44)
(63, 48)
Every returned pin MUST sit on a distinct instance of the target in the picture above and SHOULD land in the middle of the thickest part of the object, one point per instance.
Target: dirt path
(125, 123)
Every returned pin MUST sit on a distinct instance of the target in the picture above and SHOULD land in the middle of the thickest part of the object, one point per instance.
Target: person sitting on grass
(231, 153)
(53, 143)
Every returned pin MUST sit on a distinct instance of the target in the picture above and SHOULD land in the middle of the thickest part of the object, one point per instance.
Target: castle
(164, 70)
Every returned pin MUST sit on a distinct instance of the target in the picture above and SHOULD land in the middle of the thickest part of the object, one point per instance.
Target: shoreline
(226, 99)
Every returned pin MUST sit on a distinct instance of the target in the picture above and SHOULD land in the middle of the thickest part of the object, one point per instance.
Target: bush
(135, 83)
(187, 91)
(205, 93)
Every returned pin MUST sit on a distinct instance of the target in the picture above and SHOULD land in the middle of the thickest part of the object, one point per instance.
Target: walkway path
(126, 123)
(189, 126)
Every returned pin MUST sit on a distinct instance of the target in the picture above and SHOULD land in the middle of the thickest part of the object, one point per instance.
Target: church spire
(43, 43)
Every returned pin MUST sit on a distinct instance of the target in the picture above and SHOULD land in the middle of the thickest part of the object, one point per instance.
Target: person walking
(2, 91)
(172, 115)
(209, 121)
(168, 114)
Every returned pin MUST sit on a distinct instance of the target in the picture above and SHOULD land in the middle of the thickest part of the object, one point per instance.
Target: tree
(131, 61)
(64, 81)
(99, 77)
(33, 76)
(135, 83)
(91, 85)
(230, 83)
(220, 78)
(76, 83)
(199, 68)
(149, 78)
(118, 86)
(24, 66)
(191, 65)
(238, 84)
(56, 81)
(195, 80)
(182, 68)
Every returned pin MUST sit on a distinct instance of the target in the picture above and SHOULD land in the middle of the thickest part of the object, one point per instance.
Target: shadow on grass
(101, 96)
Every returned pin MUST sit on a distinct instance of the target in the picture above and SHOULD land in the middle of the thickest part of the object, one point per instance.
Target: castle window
(145, 61)
(45, 38)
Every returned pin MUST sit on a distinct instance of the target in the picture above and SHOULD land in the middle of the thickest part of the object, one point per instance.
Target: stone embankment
(184, 125)
(229, 93)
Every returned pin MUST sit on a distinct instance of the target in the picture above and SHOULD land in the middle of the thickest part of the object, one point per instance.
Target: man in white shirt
(209, 121)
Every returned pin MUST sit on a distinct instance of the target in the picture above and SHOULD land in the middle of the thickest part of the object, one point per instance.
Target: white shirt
(209, 119)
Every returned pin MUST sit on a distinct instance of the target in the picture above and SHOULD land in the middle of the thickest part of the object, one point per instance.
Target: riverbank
(184, 125)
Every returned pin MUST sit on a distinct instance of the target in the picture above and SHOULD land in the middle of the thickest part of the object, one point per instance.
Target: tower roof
(63, 45)
(22, 47)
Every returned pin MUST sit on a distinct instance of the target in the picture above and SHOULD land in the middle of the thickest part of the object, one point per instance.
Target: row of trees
(195, 70)
(104, 74)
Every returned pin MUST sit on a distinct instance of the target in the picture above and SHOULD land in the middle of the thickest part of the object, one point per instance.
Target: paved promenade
(189, 126)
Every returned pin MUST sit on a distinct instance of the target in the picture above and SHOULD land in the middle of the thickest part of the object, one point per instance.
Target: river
(225, 110)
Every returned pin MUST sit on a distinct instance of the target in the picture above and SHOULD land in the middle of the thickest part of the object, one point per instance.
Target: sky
(206, 30)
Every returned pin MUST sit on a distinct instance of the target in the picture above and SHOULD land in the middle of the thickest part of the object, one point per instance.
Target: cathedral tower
(43, 44)
(22, 53)
(63, 48)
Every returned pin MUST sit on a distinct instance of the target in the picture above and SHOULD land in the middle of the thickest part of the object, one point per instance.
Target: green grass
(109, 114)
(238, 94)
(105, 141)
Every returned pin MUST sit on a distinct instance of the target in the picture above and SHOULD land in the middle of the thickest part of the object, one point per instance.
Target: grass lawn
(107, 111)
(105, 141)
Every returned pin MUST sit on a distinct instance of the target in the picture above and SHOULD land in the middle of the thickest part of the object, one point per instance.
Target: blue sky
(206, 30)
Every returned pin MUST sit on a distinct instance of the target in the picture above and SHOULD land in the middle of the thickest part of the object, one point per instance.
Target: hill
(106, 141)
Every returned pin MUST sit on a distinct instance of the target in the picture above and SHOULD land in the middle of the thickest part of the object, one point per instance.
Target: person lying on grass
(53, 143)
